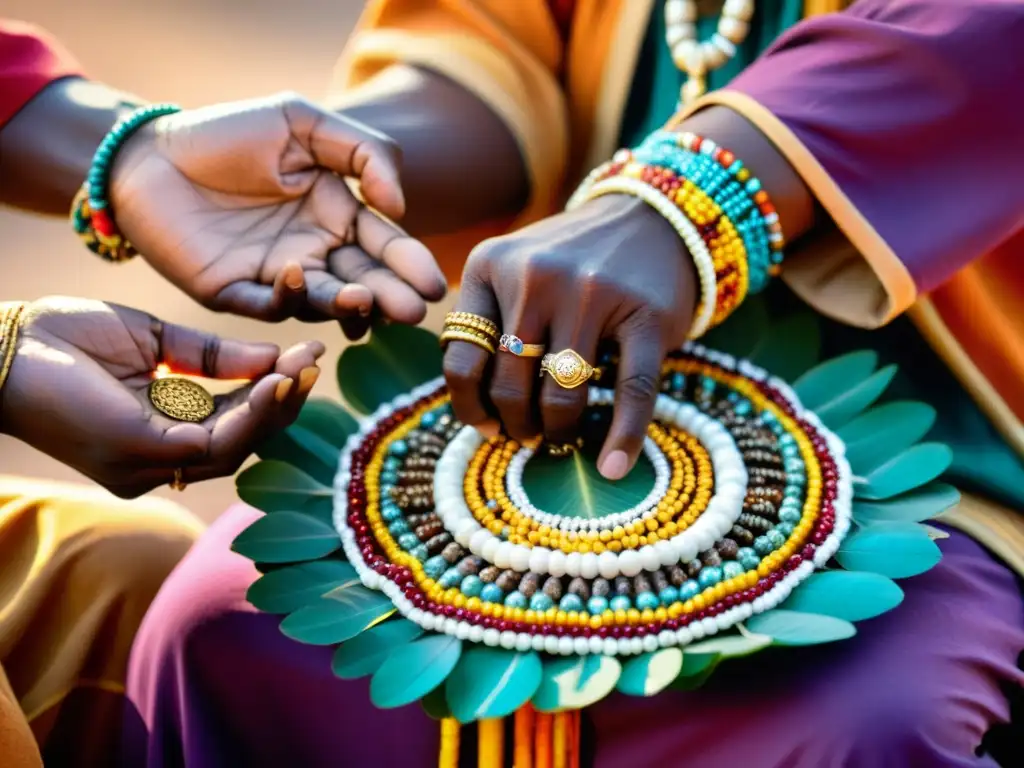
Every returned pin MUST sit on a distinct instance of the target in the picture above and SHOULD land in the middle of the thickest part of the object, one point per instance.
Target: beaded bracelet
(686, 229)
(91, 216)
(11, 315)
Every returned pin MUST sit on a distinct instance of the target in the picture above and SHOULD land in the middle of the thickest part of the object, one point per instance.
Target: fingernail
(307, 378)
(284, 388)
(615, 465)
(364, 311)
(294, 281)
(489, 429)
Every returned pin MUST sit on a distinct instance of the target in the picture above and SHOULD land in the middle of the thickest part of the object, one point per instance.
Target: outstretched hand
(246, 207)
(78, 391)
(613, 269)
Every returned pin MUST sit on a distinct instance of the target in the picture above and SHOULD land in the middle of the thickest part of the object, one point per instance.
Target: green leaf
(921, 504)
(328, 420)
(839, 410)
(876, 436)
(911, 469)
(572, 487)
(790, 346)
(576, 682)
(823, 382)
(650, 673)
(741, 333)
(896, 550)
(435, 704)
(697, 668)
(492, 682)
(303, 449)
(731, 646)
(394, 360)
(793, 628)
(849, 595)
(286, 537)
(340, 615)
(414, 670)
(364, 653)
(287, 589)
(275, 486)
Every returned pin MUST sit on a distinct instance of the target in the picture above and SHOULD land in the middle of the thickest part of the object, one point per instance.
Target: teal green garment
(982, 461)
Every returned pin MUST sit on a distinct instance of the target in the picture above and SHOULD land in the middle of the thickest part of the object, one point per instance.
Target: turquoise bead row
(102, 161)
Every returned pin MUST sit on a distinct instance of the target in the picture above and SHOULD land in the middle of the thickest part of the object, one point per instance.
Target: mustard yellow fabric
(564, 102)
(78, 570)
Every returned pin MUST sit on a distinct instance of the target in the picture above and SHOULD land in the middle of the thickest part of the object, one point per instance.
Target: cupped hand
(78, 391)
(245, 206)
(613, 270)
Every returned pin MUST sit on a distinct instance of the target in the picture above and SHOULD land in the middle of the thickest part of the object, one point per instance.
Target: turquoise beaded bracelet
(90, 214)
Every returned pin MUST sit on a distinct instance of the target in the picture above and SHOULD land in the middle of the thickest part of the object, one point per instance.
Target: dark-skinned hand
(612, 270)
(245, 207)
(77, 391)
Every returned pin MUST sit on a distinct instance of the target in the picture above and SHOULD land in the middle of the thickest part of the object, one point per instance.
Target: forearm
(460, 164)
(47, 148)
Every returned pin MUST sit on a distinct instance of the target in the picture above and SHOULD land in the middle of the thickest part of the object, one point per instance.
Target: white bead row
(722, 511)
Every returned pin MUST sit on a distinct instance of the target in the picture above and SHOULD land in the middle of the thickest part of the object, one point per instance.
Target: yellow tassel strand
(818, 7)
(491, 738)
(560, 740)
(449, 753)
(542, 750)
(524, 722)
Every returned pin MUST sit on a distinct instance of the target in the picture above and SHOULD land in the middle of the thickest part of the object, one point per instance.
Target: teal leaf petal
(793, 628)
(576, 682)
(492, 682)
(876, 436)
(435, 704)
(287, 589)
(849, 595)
(303, 449)
(414, 670)
(790, 346)
(914, 467)
(364, 653)
(275, 486)
(650, 673)
(340, 615)
(921, 504)
(328, 420)
(730, 646)
(896, 550)
(823, 382)
(286, 537)
(697, 668)
(572, 487)
(394, 360)
(839, 410)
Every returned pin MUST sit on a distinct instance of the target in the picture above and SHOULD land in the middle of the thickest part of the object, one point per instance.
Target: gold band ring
(469, 320)
(567, 368)
(463, 334)
(514, 345)
(178, 483)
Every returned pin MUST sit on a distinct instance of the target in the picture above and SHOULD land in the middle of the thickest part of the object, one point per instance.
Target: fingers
(407, 257)
(336, 299)
(636, 392)
(198, 353)
(560, 408)
(466, 365)
(515, 379)
(352, 149)
(392, 296)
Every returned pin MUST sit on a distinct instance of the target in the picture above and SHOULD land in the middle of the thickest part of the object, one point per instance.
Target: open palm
(247, 207)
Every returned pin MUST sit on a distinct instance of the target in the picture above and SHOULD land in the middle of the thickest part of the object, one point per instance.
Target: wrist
(49, 145)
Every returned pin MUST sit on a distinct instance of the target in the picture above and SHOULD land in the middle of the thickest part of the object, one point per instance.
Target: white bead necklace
(695, 57)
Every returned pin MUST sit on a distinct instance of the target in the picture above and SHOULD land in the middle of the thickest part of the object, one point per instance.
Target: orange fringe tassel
(542, 748)
(818, 7)
(491, 748)
(541, 741)
(448, 756)
(524, 725)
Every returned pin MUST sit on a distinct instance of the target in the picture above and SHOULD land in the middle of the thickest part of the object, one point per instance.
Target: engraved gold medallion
(181, 399)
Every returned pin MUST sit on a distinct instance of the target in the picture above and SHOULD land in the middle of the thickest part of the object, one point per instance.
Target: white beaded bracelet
(615, 185)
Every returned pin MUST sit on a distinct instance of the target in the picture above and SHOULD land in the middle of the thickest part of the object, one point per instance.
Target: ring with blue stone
(514, 345)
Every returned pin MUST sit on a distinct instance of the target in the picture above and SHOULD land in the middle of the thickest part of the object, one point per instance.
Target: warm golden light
(162, 371)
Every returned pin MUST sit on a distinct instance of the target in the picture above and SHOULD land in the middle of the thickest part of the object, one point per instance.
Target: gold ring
(567, 368)
(181, 399)
(514, 345)
(460, 320)
(462, 334)
(178, 483)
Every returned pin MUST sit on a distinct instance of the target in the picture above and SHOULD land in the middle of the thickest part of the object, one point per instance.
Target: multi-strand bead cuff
(11, 315)
(719, 209)
(91, 215)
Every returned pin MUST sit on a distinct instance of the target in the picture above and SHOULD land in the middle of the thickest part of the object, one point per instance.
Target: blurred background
(192, 52)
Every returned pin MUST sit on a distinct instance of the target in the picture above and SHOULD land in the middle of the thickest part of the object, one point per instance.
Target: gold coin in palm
(181, 399)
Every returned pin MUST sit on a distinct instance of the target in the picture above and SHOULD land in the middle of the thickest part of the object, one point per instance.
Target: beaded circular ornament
(482, 575)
